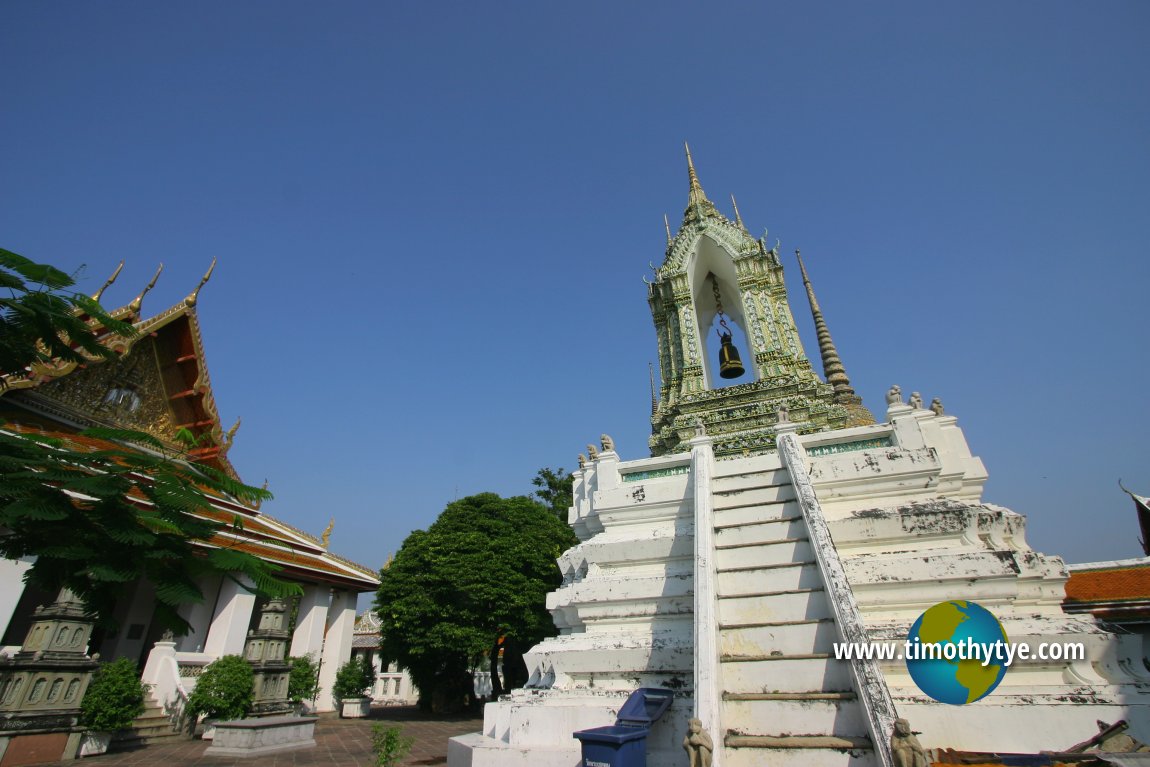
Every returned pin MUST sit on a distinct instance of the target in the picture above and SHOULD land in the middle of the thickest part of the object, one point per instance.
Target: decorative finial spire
(138, 301)
(654, 396)
(230, 436)
(108, 283)
(326, 537)
(667, 225)
(833, 369)
(738, 218)
(696, 195)
(194, 295)
(698, 205)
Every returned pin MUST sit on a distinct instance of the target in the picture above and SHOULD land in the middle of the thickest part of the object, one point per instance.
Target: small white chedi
(774, 519)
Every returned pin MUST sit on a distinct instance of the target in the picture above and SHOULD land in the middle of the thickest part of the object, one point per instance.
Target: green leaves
(481, 571)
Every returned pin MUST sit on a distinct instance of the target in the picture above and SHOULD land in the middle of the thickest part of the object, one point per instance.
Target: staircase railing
(868, 678)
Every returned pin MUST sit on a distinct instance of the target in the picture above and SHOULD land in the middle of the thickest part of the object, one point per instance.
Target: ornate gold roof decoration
(138, 302)
(108, 283)
(190, 301)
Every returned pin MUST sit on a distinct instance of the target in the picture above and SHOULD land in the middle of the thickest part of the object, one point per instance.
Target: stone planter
(355, 708)
(94, 742)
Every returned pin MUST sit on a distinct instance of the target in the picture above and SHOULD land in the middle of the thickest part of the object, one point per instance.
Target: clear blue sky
(433, 219)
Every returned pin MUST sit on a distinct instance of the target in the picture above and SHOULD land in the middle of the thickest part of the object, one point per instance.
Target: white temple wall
(311, 621)
(199, 616)
(337, 645)
(11, 587)
(230, 620)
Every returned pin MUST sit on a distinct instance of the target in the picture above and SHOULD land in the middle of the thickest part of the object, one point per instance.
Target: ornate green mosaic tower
(712, 255)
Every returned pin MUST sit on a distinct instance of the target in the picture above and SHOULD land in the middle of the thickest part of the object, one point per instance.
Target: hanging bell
(730, 365)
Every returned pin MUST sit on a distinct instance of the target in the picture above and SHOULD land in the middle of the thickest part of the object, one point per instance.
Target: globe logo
(956, 652)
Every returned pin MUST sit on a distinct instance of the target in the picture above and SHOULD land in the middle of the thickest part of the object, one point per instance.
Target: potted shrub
(350, 688)
(114, 699)
(223, 692)
(303, 682)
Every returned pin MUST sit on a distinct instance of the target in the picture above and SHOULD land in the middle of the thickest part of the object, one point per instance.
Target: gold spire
(138, 301)
(698, 206)
(667, 225)
(326, 537)
(107, 284)
(833, 369)
(738, 218)
(195, 294)
(696, 195)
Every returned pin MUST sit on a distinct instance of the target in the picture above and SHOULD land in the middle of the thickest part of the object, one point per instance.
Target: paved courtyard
(342, 742)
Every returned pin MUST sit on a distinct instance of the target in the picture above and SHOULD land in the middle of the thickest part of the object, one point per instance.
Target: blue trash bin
(624, 744)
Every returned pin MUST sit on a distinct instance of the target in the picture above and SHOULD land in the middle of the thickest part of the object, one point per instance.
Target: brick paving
(342, 742)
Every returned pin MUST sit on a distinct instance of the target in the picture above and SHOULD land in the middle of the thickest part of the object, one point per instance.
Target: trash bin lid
(644, 707)
(612, 733)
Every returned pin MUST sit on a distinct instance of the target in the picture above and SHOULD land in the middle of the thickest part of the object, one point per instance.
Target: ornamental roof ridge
(734, 238)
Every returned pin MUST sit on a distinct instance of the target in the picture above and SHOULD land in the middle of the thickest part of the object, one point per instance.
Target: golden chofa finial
(738, 218)
(230, 436)
(138, 301)
(326, 537)
(194, 295)
(667, 226)
(108, 282)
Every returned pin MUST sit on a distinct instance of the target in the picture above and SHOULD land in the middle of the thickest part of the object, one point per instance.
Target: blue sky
(433, 219)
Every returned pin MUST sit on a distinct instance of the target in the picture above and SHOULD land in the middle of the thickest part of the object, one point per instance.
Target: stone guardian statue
(905, 750)
(698, 745)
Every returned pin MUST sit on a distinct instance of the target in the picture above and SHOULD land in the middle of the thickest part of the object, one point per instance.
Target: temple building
(158, 384)
(777, 518)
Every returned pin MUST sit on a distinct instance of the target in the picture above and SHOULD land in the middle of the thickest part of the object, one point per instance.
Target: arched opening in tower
(716, 297)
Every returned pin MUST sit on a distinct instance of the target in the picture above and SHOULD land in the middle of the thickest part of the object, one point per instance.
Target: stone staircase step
(790, 716)
(763, 531)
(796, 605)
(791, 551)
(794, 757)
(774, 496)
(728, 475)
(724, 521)
(808, 636)
(797, 741)
(783, 674)
(789, 575)
(738, 696)
(740, 515)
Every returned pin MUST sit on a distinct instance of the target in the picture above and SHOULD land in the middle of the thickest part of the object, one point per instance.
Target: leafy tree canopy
(98, 520)
(480, 573)
(555, 490)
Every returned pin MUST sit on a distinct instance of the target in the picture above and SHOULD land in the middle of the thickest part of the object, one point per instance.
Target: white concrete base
(255, 737)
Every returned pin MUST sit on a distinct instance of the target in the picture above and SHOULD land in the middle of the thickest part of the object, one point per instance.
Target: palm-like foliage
(98, 520)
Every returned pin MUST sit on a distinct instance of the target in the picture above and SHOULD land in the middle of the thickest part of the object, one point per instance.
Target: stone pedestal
(265, 735)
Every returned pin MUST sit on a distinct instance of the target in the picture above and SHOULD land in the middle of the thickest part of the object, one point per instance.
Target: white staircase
(793, 703)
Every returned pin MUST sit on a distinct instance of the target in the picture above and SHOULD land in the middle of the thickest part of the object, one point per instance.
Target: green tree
(475, 580)
(223, 691)
(555, 490)
(97, 520)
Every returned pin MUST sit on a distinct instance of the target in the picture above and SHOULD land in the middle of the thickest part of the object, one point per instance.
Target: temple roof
(302, 556)
(159, 384)
(1113, 591)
